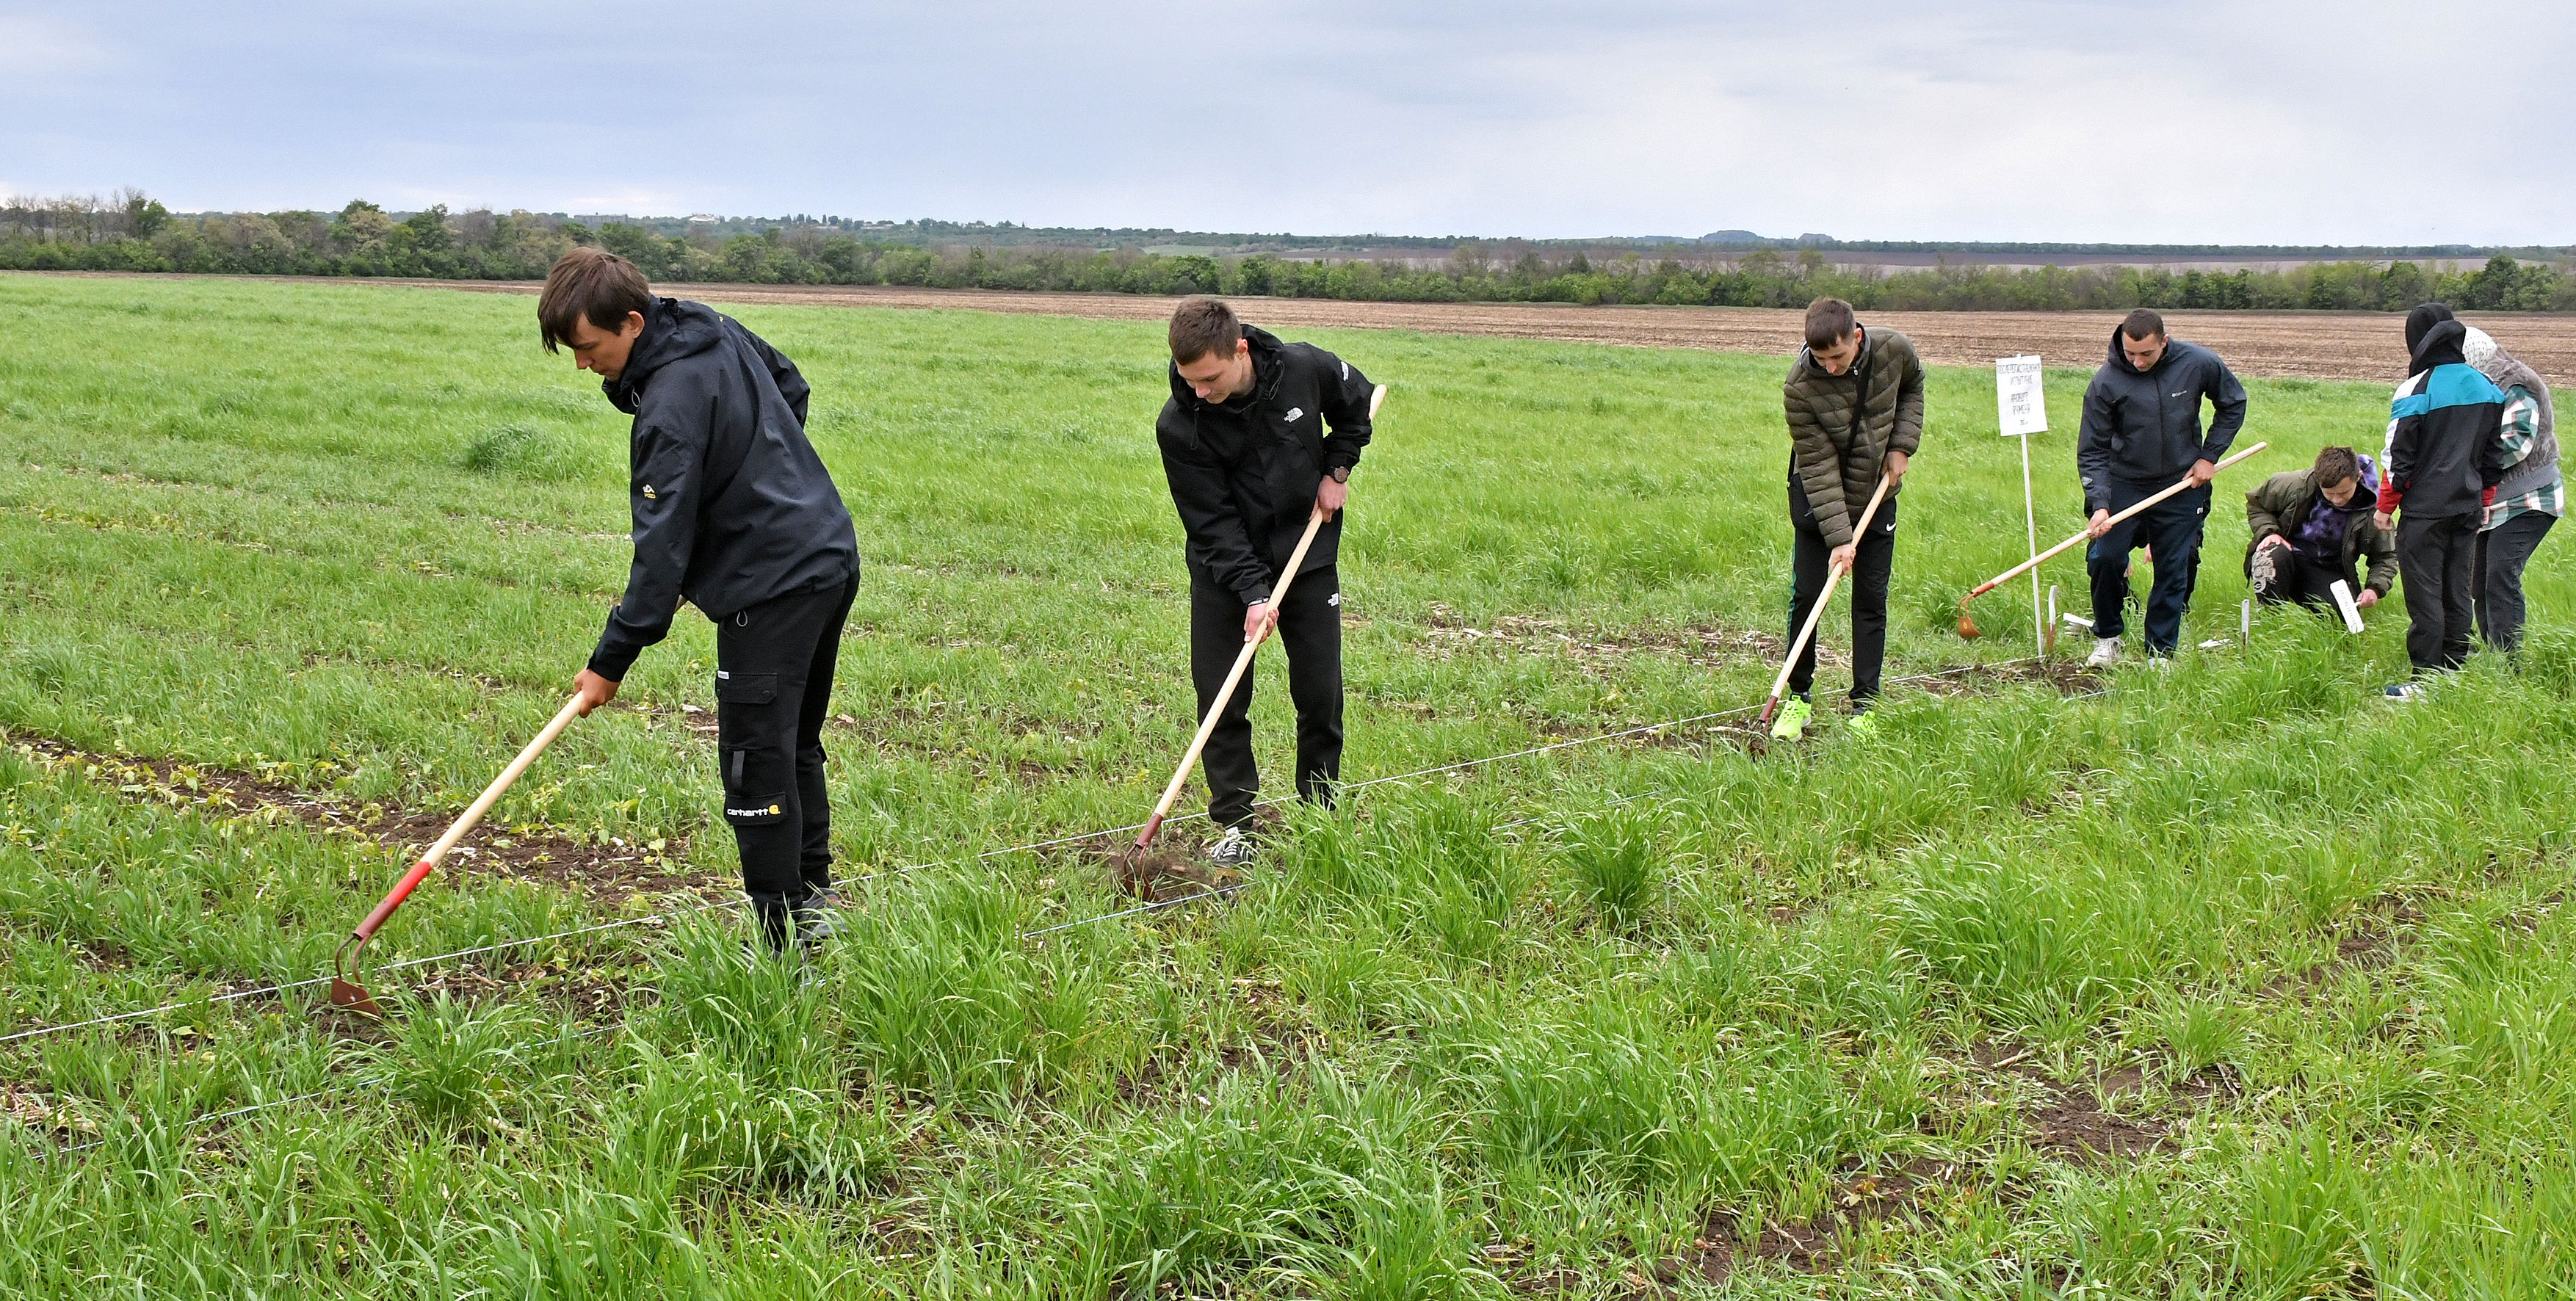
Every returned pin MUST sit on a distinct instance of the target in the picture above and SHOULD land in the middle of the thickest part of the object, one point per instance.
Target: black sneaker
(818, 921)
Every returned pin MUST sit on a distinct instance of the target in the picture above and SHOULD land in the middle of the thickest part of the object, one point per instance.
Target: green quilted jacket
(1841, 426)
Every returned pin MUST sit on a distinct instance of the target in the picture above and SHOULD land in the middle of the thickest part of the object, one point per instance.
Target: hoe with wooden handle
(1968, 626)
(1242, 662)
(345, 991)
(1780, 684)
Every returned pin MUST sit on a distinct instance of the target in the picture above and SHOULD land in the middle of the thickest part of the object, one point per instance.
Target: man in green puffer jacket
(1854, 402)
(2307, 529)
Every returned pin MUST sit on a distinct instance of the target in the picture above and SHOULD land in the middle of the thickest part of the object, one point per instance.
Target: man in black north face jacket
(733, 512)
(1248, 458)
(2141, 435)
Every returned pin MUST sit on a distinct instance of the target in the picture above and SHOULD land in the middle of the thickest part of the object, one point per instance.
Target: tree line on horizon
(134, 233)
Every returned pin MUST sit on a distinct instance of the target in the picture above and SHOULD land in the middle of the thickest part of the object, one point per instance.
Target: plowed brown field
(2338, 345)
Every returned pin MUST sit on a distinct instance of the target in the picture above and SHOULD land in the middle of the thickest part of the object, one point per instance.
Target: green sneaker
(1792, 721)
(1864, 726)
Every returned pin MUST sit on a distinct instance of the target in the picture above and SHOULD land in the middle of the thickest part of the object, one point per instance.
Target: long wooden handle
(1833, 576)
(465, 823)
(2087, 532)
(1207, 725)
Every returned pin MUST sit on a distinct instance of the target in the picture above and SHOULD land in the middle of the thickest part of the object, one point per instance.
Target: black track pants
(1871, 563)
(2295, 577)
(2502, 552)
(2172, 529)
(2438, 559)
(1310, 628)
(774, 666)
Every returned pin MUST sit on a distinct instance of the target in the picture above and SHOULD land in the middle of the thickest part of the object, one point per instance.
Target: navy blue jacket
(1244, 473)
(2142, 428)
(731, 504)
(2445, 433)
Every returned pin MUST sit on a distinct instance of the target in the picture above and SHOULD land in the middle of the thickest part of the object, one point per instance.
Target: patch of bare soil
(43, 1114)
(2313, 345)
(1447, 636)
(2078, 1125)
(597, 994)
(1817, 1243)
(608, 869)
(2086, 1123)
(2068, 677)
(1166, 872)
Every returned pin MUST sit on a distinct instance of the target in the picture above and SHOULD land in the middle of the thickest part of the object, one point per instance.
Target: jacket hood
(2365, 496)
(1266, 371)
(2439, 345)
(2120, 358)
(2477, 348)
(2421, 321)
(673, 330)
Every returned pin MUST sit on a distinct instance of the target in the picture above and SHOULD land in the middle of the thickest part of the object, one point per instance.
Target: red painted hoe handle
(473, 814)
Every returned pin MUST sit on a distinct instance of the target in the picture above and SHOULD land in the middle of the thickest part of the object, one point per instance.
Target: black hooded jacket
(2445, 430)
(2142, 428)
(732, 506)
(1244, 473)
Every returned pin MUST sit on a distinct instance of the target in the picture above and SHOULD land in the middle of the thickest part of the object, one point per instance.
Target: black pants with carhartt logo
(774, 666)
(1310, 630)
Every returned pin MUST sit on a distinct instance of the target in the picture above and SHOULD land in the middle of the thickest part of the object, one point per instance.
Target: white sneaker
(1234, 849)
(2106, 652)
(2404, 691)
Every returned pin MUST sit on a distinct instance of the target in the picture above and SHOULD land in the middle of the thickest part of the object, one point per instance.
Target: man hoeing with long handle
(735, 512)
(1257, 435)
(1854, 404)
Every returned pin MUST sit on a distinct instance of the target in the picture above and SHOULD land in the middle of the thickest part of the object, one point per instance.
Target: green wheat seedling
(1596, 1021)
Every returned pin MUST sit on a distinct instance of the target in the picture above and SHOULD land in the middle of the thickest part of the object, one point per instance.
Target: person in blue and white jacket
(2445, 455)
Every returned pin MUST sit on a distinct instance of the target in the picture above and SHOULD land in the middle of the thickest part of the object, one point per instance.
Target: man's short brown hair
(1201, 326)
(1829, 321)
(2143, 324)
(2336, 464)
(594, 285)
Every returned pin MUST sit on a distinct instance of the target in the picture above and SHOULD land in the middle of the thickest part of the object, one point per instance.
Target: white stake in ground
(2021, 410)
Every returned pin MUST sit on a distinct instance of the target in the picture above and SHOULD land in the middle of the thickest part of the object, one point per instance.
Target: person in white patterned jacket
(2529, 500)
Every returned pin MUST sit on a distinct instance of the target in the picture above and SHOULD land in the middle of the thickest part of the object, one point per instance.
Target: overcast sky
(2189, 122)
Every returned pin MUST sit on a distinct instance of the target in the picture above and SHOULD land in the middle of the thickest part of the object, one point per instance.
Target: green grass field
(2233, 980)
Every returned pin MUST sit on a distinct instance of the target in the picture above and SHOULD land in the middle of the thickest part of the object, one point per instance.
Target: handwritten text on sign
(2018, 404)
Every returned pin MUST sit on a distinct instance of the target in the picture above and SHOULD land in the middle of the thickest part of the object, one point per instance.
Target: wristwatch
(1341, 474)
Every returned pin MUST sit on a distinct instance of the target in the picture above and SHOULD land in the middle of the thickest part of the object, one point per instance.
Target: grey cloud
(2019, 119)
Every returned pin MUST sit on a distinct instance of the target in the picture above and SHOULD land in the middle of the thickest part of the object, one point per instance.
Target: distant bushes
(132, 233)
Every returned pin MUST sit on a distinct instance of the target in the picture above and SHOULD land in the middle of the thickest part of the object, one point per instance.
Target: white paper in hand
(2343, 601)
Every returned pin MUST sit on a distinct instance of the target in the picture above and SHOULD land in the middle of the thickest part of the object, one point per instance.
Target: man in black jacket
(734, 512)
(1248, 459)
(2140, 435)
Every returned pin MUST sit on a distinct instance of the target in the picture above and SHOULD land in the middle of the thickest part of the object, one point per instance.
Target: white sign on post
(2021, 409)
(2018, 404)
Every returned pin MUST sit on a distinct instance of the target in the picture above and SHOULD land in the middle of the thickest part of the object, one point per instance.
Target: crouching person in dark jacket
(1249, 460)
(2446, 451)
(2308, 528)
(2140, 436)
(734, 512)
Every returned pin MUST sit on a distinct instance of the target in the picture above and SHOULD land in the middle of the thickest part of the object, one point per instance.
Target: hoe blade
(355, 999)
(1967, 626)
